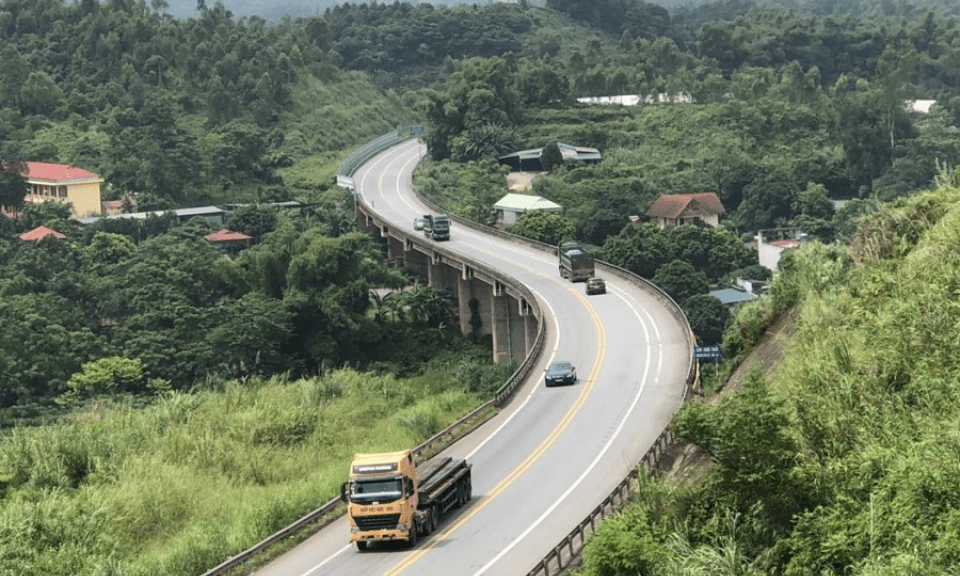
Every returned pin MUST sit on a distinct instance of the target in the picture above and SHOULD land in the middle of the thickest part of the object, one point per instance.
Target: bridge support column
(475, 301)
(530, 327)
(416, 262)
(435, 272)
(500, 318)
(464, 295)
(395, 249)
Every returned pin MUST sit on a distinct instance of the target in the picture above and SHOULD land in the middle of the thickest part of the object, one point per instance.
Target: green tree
(480, 92)
(551, 157)
(108, 375)
(767, 202)
(254, 220)
(164, 295)
(40, 94)
(708, 317)
(639, 249)
(747, 433)
(681, 280)
(250, 334)
(14, 70)
(328, 286)
(13, 185)
(627, 543)
(547, 227)
(815, 212)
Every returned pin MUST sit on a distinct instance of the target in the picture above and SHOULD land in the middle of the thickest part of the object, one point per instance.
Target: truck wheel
(361, 545)
(412, 538)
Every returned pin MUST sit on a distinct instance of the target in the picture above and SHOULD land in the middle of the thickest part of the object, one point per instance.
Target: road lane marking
(534, 456)
(551, 439)
(583, 476)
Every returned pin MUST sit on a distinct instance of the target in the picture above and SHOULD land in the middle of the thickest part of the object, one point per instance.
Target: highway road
(550, 457)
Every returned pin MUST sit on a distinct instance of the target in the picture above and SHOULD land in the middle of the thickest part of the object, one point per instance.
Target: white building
(509, 208)
(771, 244)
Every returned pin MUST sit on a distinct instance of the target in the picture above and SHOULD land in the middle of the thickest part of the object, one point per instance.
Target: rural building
(694, 208)
(529, 160)
(39, 233)
(229, 242)
(508, 209)
(63, 183)
(213, 215)
(742, 291)
(771, 244)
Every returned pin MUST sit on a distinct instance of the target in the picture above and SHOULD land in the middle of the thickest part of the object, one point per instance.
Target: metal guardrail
(566, 554)
(368, 151)
(568, 550)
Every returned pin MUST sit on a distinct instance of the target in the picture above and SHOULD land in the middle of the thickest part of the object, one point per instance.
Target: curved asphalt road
(544, 463)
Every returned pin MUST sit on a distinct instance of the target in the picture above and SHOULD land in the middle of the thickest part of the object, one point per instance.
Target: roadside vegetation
(844, 458)
(164, 406)
(177, 487)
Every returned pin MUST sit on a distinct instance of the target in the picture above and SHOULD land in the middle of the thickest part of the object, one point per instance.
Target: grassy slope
(330, 121)
(870, 380)
(177, 487)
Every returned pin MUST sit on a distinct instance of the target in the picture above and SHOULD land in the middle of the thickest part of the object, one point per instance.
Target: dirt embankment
(687, 463)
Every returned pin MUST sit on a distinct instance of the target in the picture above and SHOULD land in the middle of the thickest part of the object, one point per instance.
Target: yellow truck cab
(389, 498)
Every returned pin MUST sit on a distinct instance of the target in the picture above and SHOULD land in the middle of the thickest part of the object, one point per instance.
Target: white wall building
(509, 208)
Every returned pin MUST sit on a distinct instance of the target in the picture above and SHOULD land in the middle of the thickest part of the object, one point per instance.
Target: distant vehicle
(596, 285)
(560, 372)
(435, 227)
(575, 262)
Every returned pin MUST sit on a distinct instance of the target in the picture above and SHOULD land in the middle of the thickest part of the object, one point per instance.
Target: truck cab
(382, 497)
(436, 227)
(390, 498)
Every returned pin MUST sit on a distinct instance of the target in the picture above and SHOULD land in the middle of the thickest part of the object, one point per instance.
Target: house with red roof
(63, 183)
(39, 233)
(693, 208)
(228, 241)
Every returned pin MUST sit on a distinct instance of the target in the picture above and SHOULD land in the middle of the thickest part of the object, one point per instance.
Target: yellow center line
(482, 503)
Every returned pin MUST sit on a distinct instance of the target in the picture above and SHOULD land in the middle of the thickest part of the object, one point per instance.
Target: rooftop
(44, 172)
(524, 202)
(673, 205)
(39, 233)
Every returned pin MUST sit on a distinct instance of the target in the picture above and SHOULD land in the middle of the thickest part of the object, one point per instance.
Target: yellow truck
(390, 498)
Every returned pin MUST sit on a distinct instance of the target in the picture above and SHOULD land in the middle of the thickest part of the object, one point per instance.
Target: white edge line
(593, 464)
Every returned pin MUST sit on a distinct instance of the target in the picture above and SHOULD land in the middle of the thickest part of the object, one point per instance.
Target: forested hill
(275, 11)
(218, 107)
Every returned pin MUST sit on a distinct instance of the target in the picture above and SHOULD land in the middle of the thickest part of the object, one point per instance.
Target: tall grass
(178, 486)
(871, 385)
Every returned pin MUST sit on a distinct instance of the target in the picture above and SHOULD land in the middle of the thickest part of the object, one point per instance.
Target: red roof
(673, 205)
(57, 172)
(40, 232)
(225, 235)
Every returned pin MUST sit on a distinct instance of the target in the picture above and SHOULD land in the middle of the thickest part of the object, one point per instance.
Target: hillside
(843, 457)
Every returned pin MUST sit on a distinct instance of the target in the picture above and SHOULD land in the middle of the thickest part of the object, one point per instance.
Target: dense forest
(179, 375)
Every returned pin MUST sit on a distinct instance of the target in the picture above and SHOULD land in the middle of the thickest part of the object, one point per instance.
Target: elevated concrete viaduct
(488, 302)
